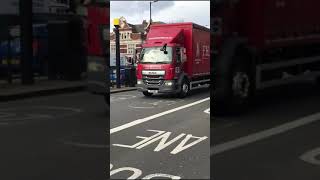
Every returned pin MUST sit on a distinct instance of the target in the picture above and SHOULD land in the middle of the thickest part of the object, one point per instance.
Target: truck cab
(161, 63)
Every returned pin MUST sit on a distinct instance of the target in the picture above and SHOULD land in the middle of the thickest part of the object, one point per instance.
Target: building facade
(131, 38)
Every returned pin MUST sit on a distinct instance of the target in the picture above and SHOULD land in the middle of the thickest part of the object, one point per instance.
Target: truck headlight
(168, 83)
(95, 67)
(139, 82)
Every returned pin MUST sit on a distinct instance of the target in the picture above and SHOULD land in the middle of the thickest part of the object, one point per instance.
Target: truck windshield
(154, 55)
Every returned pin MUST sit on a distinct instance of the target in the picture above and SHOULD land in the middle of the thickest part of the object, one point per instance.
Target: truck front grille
(153, 80)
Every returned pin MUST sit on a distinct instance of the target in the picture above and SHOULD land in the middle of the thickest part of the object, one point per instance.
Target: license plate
(152, 91)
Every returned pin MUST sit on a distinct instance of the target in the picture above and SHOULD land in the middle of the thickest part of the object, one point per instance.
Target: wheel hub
(241, 84)
(185, 88)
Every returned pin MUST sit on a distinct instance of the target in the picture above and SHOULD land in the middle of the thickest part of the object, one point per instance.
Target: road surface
(160, 136)
(279, 138)
(54, 137)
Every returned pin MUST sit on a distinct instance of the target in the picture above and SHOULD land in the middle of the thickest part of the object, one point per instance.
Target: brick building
(131, 37)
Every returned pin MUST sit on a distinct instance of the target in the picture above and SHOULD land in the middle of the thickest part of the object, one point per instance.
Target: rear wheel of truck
(147, 94)
(240, 87)
(237, 87)
(185, 88)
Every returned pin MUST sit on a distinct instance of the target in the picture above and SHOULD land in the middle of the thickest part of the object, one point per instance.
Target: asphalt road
(279, 138)
(160, 136)
(54, 137)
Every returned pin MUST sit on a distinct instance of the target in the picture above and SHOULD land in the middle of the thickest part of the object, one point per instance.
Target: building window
(131, 48)
(113, 49)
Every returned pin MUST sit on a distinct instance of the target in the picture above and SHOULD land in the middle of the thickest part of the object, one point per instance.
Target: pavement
(41, 87)
(54, 137)
(277, 139)
(122, 89)
(160, 136)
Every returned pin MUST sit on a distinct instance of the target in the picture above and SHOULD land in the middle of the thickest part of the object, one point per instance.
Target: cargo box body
(281, 22)
(260, 44)
(272, 23)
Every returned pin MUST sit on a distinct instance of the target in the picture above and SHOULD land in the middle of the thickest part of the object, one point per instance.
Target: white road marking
(140, 121)
(22, 115)
(117, 98)
(220, 148)
(84, 145)
(207, 111)
(311, 157)
(150, 176)
(140, 107)
(151, 105)
(163, 143)
(137, 173)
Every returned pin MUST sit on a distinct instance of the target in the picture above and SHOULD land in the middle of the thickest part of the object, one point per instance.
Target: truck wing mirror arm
(164, 49)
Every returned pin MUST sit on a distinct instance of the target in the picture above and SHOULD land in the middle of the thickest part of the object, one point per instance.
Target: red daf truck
(175, 59)
(97, 47)
(259, 44)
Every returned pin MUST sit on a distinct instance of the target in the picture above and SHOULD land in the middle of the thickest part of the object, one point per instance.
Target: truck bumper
(164, 88)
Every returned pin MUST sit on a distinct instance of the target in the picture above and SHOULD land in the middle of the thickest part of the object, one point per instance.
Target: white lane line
(311, 157)
(84, 145)
(139, 121)
(220, 148)
(207, 111)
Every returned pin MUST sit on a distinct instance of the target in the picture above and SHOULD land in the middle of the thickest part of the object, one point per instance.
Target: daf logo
(144, 72)
(152, 73)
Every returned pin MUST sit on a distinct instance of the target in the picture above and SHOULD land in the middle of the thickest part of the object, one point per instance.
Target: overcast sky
(166, 11)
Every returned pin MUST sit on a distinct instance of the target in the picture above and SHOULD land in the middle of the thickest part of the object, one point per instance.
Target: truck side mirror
(183, 54)
(179, 55)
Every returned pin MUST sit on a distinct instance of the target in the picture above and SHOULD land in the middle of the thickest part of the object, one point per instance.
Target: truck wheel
(147, 94)
(241, 86)
(185, 88)
(236, 88)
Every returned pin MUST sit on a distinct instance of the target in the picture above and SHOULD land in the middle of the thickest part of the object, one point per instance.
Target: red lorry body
(194, 38)
(192, 35)
(97, 42)
(97, 16)
(263, 43)
(273, 23)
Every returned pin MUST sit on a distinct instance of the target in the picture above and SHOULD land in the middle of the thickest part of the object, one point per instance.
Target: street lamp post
(116, 23)
(150, 9)
(25, 10)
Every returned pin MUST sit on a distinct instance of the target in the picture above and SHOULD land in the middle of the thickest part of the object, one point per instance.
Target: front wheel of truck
(147, 94)
(185, 88)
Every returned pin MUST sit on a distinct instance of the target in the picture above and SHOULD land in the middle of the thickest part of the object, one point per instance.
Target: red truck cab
(175, 59)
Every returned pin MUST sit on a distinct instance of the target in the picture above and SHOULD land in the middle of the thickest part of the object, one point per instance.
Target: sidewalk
(41, 87)
(122, 89)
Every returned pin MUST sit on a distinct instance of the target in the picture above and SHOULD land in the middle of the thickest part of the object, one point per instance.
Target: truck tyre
(241, 82)
(237, 85)
(147, 94)
(185, 88)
